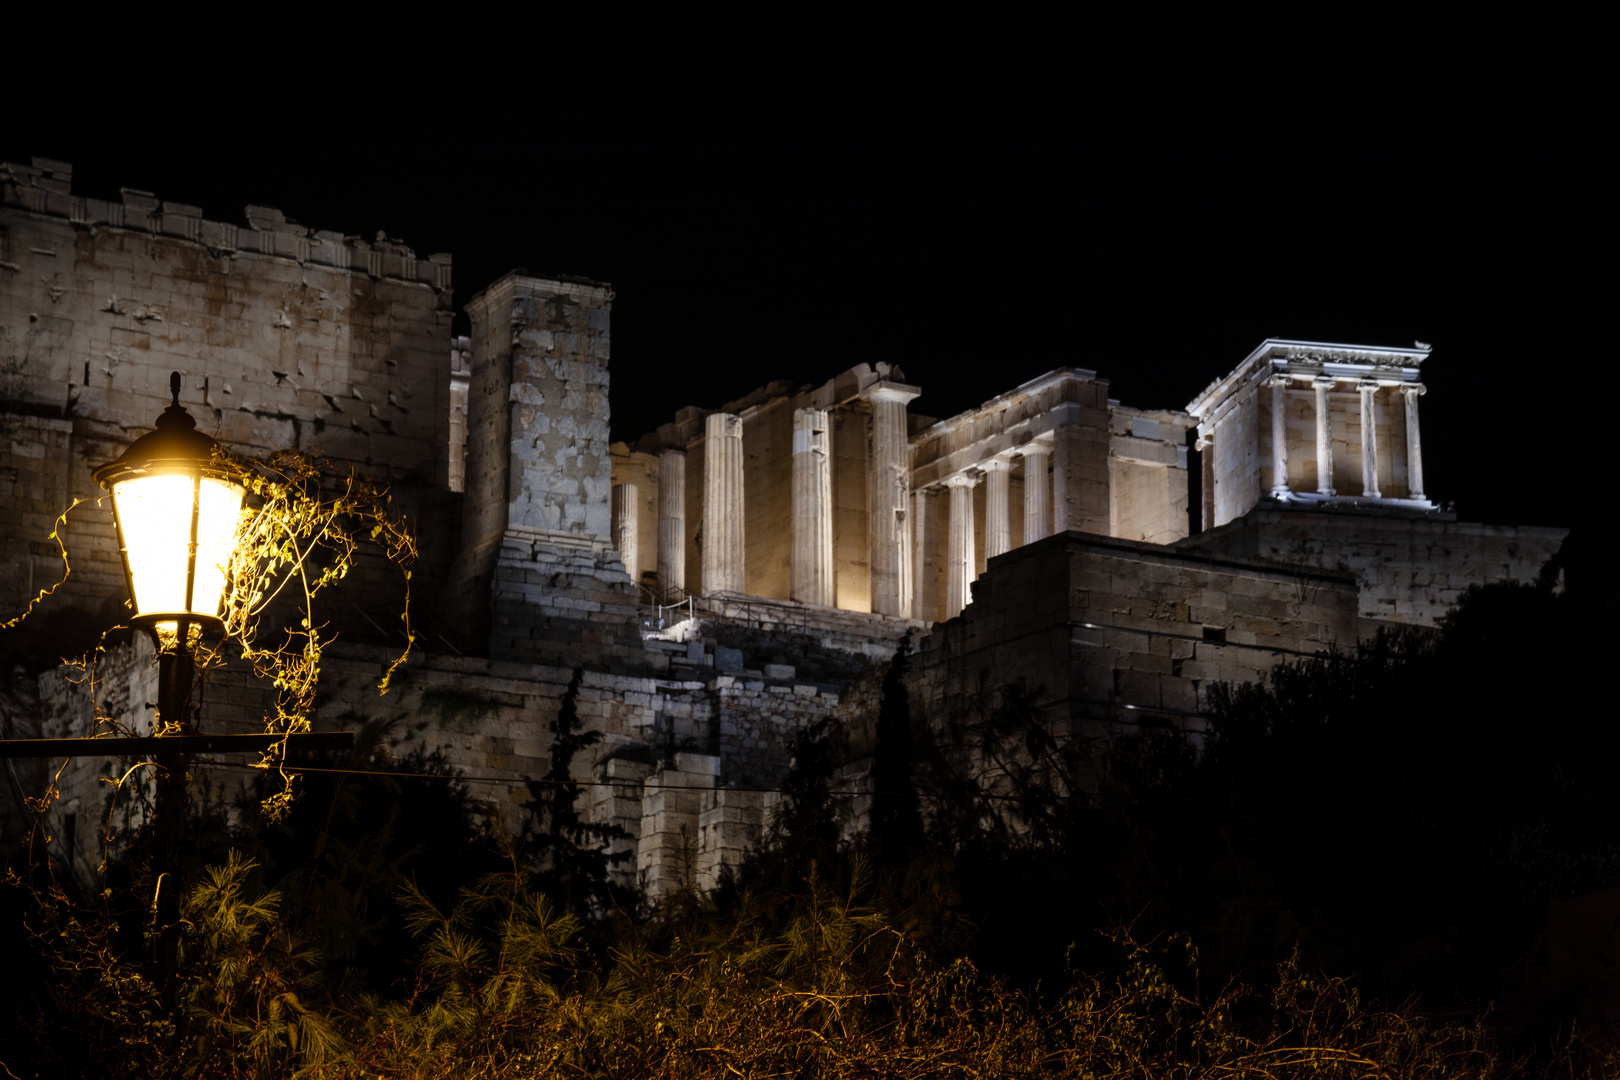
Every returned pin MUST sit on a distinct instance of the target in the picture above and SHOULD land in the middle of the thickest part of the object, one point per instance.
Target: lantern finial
(174, 387)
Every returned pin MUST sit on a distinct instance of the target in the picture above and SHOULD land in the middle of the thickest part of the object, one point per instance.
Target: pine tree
(571, 856)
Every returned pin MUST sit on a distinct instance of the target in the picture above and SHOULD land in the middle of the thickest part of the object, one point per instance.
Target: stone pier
(1279, 436)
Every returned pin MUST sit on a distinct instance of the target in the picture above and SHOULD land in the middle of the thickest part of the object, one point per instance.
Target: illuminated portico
(1329, 430)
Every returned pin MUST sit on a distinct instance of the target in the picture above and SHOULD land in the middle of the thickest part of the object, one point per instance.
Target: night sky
(975, 237)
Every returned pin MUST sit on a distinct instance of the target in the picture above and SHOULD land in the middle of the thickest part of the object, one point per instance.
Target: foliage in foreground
(812, 982)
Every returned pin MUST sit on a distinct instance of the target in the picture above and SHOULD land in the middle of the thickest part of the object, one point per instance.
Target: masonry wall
(1237, 458)
(1410, 568)
(1145, 507)
(1111, 633)
(285, 336)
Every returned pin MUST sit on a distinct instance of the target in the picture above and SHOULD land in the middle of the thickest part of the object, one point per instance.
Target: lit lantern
(176, 514)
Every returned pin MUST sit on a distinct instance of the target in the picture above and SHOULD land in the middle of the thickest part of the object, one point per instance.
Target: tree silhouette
(572, 862)
(896, 826)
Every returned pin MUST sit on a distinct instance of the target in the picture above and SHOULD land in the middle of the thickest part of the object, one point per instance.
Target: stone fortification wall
(1111, 632)
(1410, 568)
(707, 721)
(286, 336)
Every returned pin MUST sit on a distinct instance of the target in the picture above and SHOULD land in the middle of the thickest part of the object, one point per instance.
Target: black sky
(978, 237)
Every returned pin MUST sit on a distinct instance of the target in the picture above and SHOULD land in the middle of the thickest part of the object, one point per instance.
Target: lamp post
(176, 513)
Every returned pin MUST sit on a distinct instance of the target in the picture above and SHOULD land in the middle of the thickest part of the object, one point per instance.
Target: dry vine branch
(301, 536)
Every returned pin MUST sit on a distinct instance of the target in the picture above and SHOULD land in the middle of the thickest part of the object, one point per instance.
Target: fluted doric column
(812, 555)
(671, 524)
(888, 491)
(1414, 441)
(997, 508)
(924, 556)
(723, 569)
(961, 562)
(1324, 437)
(625, 506)
(1279, 436)
(1037, 493)
(1369, 439)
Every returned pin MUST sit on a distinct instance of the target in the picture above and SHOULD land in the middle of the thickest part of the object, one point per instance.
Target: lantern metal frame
(174, 448)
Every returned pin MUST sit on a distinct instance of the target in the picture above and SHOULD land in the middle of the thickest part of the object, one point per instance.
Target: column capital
(961, 480)
(1413, 389)
(719, 425)
(996, 464)
(1367, 386)
(1324, 382)
(890, 391)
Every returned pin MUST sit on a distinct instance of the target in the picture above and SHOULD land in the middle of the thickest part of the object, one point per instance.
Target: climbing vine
(304, 522)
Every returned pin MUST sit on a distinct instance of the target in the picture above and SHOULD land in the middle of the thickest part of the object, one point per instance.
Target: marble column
(1414, 442)
(1369, 439)
(626, 499)
(924, 556)
(812, 554)
(723, 504)
(671, 525)
(997, 508)
(1037, 493)
(961, 562)
(1279, 437)
(888, 491)
(1324, 437)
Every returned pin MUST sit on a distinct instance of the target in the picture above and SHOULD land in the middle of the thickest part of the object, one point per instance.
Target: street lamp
(175, 512)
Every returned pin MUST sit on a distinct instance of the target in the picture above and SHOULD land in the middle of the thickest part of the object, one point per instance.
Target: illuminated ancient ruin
(729, 578)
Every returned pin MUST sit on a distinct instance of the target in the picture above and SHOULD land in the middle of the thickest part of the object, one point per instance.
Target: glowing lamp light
(176, 516)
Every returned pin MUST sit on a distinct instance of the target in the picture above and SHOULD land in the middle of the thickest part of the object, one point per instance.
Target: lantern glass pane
(219, 507)
(155, 515)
